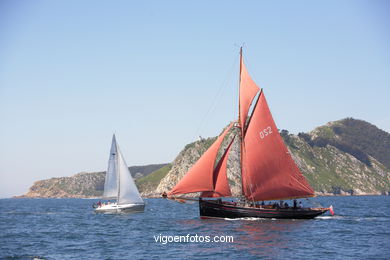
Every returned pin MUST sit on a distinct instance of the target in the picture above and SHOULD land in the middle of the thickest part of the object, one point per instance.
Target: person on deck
(295, 204)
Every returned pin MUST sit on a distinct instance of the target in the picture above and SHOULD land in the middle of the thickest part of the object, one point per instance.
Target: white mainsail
(128, 192)
(111, 182)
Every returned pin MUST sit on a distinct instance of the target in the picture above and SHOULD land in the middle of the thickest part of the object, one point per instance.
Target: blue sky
(160, 73)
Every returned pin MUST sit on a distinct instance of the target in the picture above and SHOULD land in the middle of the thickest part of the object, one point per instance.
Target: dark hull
(215, 209)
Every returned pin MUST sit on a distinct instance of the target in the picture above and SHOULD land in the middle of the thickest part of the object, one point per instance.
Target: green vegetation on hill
(365, 137)
(151, 181)
(330, 170)
(348, 156)
(207, 142)
(144, 170)
(355, 137)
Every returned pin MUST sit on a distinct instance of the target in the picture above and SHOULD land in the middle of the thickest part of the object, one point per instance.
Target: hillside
(348, 156)
(148, 184)
(84, 185)
(356, 137)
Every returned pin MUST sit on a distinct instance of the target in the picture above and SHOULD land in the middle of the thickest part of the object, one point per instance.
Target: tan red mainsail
(248, 90)
(268, 171)
(201, 176)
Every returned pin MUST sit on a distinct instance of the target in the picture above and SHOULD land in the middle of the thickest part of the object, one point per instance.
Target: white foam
(329, 217)
(250, 219)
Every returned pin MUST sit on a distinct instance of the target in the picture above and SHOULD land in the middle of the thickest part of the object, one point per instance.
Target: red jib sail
(248, 90)
(268, 171)
(221, 183)
(200, 177)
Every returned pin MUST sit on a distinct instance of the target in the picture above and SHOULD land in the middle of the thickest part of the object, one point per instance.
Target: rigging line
(216, 98)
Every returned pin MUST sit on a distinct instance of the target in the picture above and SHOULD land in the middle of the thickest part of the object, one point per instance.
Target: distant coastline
(342, 158)
(159, 197)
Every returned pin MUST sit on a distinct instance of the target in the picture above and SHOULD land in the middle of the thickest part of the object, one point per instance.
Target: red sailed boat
(268, 171)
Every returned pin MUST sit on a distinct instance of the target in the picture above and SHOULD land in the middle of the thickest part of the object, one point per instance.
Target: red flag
(331, 210)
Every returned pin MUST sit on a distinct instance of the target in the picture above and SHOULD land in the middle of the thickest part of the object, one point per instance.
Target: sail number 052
(265, 132)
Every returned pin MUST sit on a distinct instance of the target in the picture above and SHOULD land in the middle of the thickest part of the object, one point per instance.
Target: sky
(161, 73)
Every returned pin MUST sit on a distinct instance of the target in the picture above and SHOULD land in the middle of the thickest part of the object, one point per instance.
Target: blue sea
(69, 229)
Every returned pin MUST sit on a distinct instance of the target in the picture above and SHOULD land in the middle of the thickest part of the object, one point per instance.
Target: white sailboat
(119, 184)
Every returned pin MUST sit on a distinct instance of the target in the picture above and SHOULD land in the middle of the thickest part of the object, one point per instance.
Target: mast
(239, 123)
(239, 87)
(117, 172)
(111, 181)
(247, 93)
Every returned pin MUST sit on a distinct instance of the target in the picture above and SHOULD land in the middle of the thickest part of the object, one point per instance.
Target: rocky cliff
(193, 151)
(81, 185)
(85, 184)
(343, 157)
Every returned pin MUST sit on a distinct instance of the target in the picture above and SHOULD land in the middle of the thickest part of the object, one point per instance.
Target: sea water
(69, 229)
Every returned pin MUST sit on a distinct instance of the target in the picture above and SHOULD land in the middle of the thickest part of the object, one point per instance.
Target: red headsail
(248, 90)
(200, 176)
(268, 171)
(221, 184)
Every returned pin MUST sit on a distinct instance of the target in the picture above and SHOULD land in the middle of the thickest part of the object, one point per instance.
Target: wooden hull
(218, 209)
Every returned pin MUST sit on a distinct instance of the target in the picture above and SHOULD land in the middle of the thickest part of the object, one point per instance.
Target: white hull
(122, 208)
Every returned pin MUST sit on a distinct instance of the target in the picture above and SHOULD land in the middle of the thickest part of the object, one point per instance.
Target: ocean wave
(30, 213)
(25, 257)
